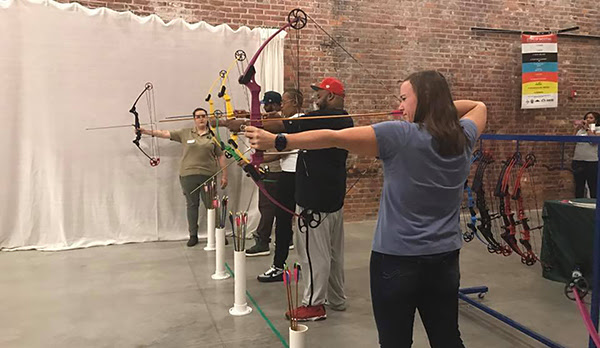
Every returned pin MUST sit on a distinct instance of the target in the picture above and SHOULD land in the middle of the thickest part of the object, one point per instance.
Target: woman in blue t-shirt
(414, 262)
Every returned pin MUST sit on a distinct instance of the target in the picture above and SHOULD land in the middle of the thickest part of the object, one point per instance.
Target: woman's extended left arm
(358, 140)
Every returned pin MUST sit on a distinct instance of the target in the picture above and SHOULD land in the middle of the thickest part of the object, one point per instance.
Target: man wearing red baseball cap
(331, 84)
(320, 191)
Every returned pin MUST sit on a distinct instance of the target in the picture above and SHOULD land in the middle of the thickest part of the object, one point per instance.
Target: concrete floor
(161, 295)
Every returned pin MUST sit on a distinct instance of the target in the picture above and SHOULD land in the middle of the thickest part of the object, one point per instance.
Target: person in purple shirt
(414, 260)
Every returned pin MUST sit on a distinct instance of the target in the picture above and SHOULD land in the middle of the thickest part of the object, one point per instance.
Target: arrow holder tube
(210, 230)
(240, 306)
(298, 336)
(220, 272)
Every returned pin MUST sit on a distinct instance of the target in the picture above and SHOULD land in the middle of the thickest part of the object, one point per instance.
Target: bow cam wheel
(579, 284)
(240, 55)
(297, 19)
(530, 158)
(467, 237)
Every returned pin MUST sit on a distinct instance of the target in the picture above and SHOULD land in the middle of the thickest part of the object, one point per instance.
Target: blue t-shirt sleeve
(391, 136)
(470, 130)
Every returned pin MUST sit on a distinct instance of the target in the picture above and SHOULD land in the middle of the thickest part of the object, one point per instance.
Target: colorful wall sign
(540, 71)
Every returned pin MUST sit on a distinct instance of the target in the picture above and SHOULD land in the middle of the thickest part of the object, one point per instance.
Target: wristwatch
(280, 142)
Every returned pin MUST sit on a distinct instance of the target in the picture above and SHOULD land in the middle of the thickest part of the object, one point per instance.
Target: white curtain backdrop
(63, 68)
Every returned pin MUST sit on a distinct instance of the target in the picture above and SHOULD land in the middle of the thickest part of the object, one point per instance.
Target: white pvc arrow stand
(210, 230)
(240, 306)
(298, 337)
(220, 272)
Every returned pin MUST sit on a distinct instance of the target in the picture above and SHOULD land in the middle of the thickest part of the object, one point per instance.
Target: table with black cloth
(568, 239)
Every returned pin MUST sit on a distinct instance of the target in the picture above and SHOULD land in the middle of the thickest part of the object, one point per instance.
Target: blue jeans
(401, 284)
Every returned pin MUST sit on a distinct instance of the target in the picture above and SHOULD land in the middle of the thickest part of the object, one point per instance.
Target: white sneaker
(273, 274)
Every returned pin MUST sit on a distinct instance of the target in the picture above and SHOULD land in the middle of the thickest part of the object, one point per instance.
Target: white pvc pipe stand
(220, 272)
(240, 306)
(298, 337)
(210, 230)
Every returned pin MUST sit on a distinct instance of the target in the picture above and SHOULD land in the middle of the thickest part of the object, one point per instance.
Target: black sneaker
(258, 249)
(273, 274)
(193, 241)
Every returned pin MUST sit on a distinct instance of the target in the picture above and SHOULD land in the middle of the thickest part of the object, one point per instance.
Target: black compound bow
(155, 158)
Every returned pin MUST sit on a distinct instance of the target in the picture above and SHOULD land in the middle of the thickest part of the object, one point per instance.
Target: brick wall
(392, 38)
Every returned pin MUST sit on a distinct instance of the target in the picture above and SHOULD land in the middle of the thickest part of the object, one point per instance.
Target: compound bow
(485, 227)
(155, 158)
(297, 20)
(471, 231)
(508, 222)
(530, 256)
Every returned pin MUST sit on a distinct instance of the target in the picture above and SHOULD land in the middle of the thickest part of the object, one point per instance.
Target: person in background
(585, 158)
(262, 236)
(201, 159)
(291, 106)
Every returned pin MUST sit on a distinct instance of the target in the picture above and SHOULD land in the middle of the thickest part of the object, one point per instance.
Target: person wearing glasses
(201, 159)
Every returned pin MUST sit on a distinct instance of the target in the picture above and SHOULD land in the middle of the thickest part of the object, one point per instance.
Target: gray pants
(321, 252)
(192, 200)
